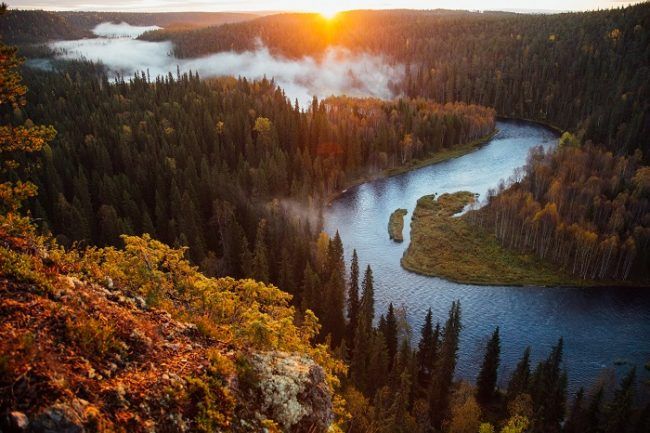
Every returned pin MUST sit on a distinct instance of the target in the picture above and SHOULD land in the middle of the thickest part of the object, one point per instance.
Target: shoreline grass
(449, 247)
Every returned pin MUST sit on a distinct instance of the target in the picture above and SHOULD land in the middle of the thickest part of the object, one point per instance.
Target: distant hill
(520, 64)
(28, 27)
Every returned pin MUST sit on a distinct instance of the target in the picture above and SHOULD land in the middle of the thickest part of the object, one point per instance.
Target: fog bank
(122, 30)
(338, 72)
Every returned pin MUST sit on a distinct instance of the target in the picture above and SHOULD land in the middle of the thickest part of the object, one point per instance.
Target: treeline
(580, 207)
(230, 168)
(402, 130)
(29, 27)
(580, 71)
(394, 386)
(38, 26)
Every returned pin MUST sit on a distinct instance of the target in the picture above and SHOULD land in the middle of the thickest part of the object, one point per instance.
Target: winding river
(604, 328)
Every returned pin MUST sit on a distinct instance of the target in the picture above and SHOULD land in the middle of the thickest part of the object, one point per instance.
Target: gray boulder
(293, 391)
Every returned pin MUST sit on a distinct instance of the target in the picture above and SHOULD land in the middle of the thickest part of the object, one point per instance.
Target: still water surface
(602, 328)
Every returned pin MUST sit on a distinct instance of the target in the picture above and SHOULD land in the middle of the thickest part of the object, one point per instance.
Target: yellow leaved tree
(15, 141)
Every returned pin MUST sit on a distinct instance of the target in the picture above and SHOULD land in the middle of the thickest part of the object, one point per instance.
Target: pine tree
(593, 413)
(353, 301)
(365, 336)
(619, 410)
(367, 304)
(487, 377)
(548, 390)
(576, 421)
(519, 381)
(334, 319)
(427, 351)
(445, 367)
(260, 254)
(15, 140)
(390, 335)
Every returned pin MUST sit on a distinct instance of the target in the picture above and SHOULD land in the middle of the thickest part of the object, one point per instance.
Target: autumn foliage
(579, 207)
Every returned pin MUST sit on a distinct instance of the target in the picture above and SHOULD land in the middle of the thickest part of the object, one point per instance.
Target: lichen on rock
(293, 391)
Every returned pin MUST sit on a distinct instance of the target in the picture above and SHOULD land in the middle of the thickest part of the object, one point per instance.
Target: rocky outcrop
(62, 417)
(84, 354)
(293, 391)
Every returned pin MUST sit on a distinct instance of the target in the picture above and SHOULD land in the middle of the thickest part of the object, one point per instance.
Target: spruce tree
(367, 304)
(310, 285)
(353, 301)
(377, 373)
(390, 334)
(576, 421)
(364, 339)
(520, 378)
(487, 377)
(593, 413)
(260, 254)
(445, 367)
(642, 424)
(334, 320)
(548, 390)
(619, 410)
(427, 351)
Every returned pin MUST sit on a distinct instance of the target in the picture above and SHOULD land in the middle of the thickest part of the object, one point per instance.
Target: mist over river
(602, 328)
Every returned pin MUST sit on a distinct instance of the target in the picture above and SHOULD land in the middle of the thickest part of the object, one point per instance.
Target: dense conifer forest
(146, 198)
(238, 169)
(518, 64)
(25, 27)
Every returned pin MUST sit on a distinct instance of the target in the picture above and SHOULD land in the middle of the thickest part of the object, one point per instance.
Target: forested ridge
(586, 72)
(24, 27)
(593, 223)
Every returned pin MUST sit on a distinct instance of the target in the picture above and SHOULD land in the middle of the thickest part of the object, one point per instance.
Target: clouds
(338, 72)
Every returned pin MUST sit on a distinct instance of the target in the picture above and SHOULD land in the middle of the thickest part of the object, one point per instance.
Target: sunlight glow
(329, 10)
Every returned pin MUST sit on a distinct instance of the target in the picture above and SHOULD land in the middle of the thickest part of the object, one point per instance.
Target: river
(603, 328)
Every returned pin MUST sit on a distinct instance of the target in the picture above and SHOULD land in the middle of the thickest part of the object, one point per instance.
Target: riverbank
(435, 158)
(447, 246)
(559, 131)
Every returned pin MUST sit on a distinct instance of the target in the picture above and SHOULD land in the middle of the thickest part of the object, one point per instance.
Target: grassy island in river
(446, 245)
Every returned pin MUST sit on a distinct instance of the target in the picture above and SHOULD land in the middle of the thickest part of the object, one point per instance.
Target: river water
(603, 329)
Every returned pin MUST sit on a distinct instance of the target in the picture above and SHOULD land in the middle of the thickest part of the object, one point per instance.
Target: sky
(327, 7)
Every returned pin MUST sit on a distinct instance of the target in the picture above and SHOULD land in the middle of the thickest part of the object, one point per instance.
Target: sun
(329, 9)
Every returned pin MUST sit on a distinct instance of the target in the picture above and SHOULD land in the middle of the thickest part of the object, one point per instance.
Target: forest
(145, 195)
(517, 63)
(26, 27)
(238, 169)
(579, 207)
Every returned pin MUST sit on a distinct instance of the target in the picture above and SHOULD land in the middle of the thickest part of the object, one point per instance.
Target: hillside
(136, 339)
(37, 26)
(517, 63)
